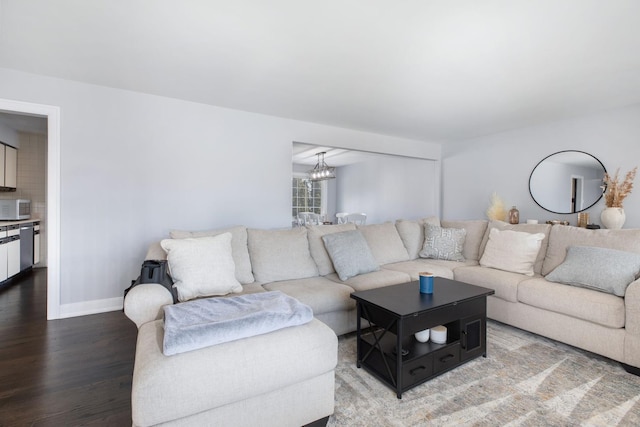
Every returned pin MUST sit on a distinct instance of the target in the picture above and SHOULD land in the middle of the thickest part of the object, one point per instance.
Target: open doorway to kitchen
(23, 115)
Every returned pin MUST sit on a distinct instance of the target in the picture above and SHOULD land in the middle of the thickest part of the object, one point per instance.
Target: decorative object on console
(613, 216)
(514, 215)
(497, 211)
(532, 221)
(557, 222)
(321, 171)
(583, 219)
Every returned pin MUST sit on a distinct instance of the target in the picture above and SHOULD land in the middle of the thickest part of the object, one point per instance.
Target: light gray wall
(472, 170)
(389, 188)
(134, 166)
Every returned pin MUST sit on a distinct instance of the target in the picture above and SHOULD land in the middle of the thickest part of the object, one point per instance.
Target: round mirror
(567, 182)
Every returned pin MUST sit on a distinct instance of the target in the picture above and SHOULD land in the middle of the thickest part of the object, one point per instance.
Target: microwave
(15, 209)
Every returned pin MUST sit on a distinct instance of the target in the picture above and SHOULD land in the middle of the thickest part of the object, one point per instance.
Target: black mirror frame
(567, 151)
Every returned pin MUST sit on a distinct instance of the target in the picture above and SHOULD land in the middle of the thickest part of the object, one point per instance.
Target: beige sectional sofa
(296, 262)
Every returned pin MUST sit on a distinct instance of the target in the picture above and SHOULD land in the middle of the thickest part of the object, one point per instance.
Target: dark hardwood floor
(68, 372)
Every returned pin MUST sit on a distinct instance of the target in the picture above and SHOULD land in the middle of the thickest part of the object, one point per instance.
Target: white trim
(52, 113)
(90, 307)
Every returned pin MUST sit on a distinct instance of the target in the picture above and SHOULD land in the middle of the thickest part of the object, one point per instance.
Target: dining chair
(357, 218)
(341, 217)
(309, 218)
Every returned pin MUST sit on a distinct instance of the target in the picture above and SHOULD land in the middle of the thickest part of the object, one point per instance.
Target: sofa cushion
(504, 283)
(350, 253)
(385, 242)
(597, 307)
(513, 251)
(280, 254)
(240, 251)
(319, 293)
(415, 267)
(412, 234)
(316, 244)
(201, 266)
(527, 228)
(600, 269)
(563, 236)
(475, 232)
(443, 243)
(376, 279)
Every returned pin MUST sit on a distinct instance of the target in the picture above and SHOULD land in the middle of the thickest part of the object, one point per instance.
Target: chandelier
(321, 171)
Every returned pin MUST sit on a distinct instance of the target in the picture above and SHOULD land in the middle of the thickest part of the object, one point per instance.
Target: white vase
(613, 218)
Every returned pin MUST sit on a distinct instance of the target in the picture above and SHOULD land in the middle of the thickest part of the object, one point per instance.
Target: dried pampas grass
(497, 211)
(616, 192)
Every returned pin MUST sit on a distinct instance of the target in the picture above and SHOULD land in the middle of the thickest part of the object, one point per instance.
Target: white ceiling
(424, 69)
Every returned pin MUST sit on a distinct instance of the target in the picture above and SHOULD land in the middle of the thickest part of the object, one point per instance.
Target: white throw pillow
(239, 248)
(514, 251)
(202, 267)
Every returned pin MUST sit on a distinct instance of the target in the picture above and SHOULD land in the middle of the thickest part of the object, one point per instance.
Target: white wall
(474, 169)
(387, 188)
(134, 166)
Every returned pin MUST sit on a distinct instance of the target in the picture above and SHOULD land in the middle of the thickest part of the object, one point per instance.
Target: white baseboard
(90, 307)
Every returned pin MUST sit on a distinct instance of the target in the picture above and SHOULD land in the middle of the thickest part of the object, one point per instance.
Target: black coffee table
(396, 313)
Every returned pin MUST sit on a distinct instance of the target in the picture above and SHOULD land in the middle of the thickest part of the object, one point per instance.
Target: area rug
(526, 380)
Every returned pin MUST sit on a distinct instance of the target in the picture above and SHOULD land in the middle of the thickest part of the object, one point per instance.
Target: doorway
(52, 115)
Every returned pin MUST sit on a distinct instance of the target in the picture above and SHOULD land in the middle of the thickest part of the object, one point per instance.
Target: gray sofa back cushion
(563, 236)
(385, 242)
(412, 234)
(280, 254)
(317, 248)
(527, 228)
(475, 233)
(239, 249)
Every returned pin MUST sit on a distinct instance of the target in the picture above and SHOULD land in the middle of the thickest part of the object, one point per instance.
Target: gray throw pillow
(350, 254)
(601, 269)
(443, 243)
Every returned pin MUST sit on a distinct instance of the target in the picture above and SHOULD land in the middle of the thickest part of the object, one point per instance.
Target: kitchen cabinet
(8, 167)
(13, 250)
(19, 247)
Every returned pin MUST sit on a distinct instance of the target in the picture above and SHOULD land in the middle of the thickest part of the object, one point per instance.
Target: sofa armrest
(632, 308)
(144, 303)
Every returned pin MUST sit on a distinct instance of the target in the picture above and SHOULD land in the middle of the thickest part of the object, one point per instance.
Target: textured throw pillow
(601, 269)
(412, 234)
(513, 251)
(350, 254)
(443, 243)
(201, 267)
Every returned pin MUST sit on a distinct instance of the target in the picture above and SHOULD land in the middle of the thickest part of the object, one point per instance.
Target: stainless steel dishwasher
(26, 246)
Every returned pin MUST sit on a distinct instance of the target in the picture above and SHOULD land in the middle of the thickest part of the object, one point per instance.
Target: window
(306, 195)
